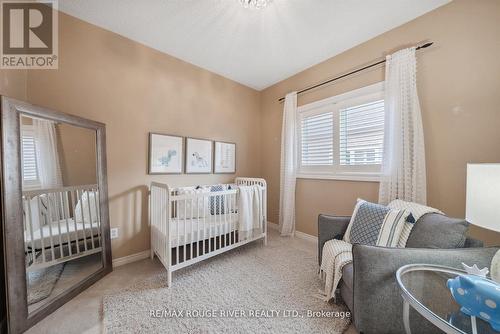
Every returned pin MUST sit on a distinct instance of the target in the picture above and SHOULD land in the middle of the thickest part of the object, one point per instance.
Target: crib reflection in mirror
(61, 218)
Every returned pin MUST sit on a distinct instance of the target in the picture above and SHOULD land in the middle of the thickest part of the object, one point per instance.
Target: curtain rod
(423, 46)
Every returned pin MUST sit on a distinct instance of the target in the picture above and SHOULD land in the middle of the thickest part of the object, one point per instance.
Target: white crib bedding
(197, 229)
(80, 232)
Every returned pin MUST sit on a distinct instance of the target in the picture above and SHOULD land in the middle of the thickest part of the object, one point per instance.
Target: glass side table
(423, 287)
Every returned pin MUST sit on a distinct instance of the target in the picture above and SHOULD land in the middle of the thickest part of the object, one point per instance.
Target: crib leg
(152, 255)
(169, 278)
(265, 239)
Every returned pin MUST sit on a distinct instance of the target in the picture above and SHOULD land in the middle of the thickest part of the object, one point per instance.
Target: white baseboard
(273, 226)
(131, 258)
(297, 234)
(305, 236)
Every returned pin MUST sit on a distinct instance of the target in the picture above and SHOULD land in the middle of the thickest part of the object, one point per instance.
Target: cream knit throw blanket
(338, 253)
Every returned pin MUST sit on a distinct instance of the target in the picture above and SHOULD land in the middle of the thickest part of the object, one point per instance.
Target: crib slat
(160, 202)
(41, 222)
(211, 225)
(158, 197)
(204, 223)
(79, 195)
(65, 217)
(159, 220)
(224, 208)
(29, 220)
(152, 215)
(153, 207)
(91, 219)
(60, 245)
(234, 205)
(162, 206)
(98, 214)
(170, 213)
(73, 206)
(167, 226)
(49, 208)
(229, 208)
(198, 225)
(166, 223)
(178, 226)
(191, 239)
(218, 217)
(168, 248)
(185, 228)
(229, 218)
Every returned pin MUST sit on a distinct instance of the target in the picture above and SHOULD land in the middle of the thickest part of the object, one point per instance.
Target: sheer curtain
(288, 165)
(47, 155)
(403, 166)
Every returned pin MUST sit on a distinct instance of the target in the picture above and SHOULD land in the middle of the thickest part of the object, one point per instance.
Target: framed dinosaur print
(166, 154)
(199, 156)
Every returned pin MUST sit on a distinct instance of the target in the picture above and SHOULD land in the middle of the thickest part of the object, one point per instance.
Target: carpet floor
(252, 289)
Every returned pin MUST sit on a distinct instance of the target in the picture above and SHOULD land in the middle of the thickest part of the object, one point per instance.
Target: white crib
(190, 226)
(60, 225)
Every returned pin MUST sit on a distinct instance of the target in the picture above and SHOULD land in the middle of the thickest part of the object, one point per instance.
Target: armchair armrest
(378, 306)
(330, 227)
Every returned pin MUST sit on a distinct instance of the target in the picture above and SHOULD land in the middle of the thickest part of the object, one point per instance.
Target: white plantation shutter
(317, 140)
(361, 134)
(28, 159)
(342, 137)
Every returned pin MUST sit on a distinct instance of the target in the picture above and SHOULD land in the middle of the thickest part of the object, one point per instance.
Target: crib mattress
(81, 231)
(197, 229)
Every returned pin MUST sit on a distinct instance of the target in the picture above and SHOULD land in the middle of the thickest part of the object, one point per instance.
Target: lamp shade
(483, 196)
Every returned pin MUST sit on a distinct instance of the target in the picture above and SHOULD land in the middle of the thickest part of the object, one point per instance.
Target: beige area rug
(253, 289)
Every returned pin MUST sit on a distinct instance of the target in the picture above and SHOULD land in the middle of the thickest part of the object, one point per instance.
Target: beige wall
(13, 83)
(134, 90)
(458, 84)
(77, 155)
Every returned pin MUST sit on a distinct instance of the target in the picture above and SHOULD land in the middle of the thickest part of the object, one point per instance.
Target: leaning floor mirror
(55, 223)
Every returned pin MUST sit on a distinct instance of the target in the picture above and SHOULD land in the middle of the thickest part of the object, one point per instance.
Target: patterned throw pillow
(374, 224)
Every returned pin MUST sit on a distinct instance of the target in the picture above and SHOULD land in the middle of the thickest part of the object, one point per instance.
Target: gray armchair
(368, 285)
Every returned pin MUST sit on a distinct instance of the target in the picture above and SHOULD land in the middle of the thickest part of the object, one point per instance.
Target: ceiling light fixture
(257, 4)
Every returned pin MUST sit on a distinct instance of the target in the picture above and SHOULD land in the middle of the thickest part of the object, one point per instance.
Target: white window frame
(35, 184)
(335, 104)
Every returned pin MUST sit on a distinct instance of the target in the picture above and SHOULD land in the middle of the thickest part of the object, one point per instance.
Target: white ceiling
(254, 47)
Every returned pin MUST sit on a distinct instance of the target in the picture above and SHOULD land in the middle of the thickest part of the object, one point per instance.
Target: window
(28, 158)
(317, 139)
(362, 134)
(342, 137)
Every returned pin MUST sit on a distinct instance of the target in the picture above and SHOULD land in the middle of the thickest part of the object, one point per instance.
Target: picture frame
(224, 157)
(199, 156)
(166, 154)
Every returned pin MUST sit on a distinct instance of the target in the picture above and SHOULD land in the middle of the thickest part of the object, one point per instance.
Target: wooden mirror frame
(18, 318)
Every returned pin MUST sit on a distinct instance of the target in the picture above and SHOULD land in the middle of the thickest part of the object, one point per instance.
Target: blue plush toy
(478, 296)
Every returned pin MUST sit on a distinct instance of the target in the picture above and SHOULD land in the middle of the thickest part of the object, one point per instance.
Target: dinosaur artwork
(166, 154)
(166, 159)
